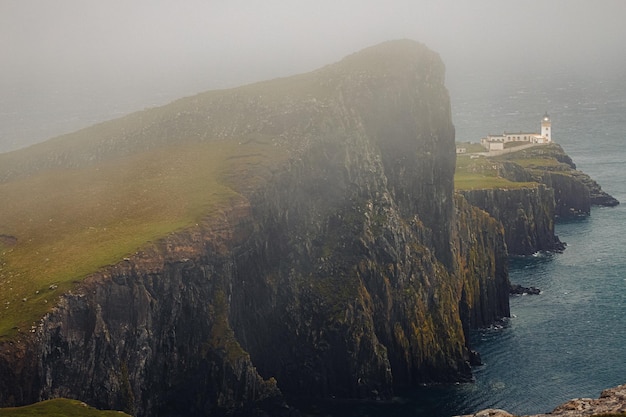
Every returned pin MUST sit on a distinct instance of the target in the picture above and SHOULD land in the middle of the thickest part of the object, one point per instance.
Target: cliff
(574, 191)
(527, 190)
(527, 215)
(332, 258)
(482, 254)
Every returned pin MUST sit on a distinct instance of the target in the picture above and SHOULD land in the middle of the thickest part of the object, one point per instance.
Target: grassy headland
(88, 199)
(480, 172)
(59, 407)
(475, 173)
(62, 224)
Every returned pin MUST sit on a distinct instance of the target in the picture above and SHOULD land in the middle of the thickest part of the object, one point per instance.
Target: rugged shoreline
(611, 403)
(553, 188)
(573, 193)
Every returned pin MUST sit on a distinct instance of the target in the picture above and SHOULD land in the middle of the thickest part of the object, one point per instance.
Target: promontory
(237, 249)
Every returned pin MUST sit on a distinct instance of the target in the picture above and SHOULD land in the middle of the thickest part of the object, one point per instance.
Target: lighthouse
(497, 142)
(546, 128)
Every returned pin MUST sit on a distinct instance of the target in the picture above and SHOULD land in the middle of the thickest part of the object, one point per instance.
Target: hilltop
(89, 199)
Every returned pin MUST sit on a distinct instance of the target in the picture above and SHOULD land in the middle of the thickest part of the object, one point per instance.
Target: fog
(70, 63)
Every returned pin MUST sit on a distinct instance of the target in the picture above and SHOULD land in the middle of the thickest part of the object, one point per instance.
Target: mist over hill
(241, 247)
(65, 69)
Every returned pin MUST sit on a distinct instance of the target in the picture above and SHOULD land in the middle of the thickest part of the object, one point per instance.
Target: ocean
(568, 341)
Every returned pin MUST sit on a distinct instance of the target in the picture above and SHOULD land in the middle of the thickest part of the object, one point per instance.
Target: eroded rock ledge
(574, 191)
(527, 215)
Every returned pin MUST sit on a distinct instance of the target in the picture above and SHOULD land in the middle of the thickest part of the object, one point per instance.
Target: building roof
(521, 133)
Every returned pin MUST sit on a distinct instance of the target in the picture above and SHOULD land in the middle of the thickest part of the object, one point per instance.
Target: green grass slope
(84, 200)
(482, 173)
(79, 202)
(59, 407)
(88, 199)
(61, 224)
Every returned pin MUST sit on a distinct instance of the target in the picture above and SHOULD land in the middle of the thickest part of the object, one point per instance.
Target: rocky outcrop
(612, 403)
(482, 254)
(517, 289)
(572, 197)
(346, 271)
(553, 188)
(527, 215)
(574, 191)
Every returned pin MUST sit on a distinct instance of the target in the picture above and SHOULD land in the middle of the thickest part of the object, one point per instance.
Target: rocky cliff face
(482, 253)
(345, 271)
(574, 191)
(527, 215)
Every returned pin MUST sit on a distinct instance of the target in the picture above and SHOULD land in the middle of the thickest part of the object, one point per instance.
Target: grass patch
(222, 336)
(535, 163)
(59, 407)
(63, 224)
(336, 293)
(481, 173)
(471, 147)
(479, 182)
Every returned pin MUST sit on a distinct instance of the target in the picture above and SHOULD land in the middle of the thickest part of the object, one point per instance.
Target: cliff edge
(296, 237)
(527, 191)
(574, 191)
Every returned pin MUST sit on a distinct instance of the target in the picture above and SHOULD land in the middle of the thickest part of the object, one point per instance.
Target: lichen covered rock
(527, 214)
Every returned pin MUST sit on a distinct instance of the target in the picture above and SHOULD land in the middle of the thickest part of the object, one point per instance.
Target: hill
(243, 247)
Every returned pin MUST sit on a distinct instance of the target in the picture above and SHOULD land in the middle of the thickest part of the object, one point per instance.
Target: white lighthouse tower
(546, 128)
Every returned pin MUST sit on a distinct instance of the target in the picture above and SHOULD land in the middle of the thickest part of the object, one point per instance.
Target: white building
(546, 128)
(496, 142)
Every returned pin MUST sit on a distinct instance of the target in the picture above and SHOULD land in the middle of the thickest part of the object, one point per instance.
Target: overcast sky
(121, 55)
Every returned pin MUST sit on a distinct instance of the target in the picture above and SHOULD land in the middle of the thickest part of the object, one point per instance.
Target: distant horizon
(65, 68)
(67, 116)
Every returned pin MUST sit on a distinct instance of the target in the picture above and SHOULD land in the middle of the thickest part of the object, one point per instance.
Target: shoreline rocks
(611, 402)
(517, 289)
